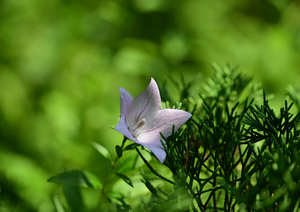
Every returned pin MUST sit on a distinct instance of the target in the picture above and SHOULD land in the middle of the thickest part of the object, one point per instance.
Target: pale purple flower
(142, 119)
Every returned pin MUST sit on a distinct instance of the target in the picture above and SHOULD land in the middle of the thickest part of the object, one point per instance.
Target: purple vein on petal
(161, 124)
(126, 118)
(153, 120)
(126, 114)
(138, 118)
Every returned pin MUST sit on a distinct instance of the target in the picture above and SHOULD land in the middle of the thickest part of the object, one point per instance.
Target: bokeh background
(61, 63)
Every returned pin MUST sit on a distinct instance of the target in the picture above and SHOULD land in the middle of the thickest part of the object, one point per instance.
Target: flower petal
(147, 107)
(163, 122)
(126, 101)
(158, 150)
(123, 129)
(146, 104)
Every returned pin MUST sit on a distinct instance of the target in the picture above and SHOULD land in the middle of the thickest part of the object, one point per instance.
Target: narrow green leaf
(77, 178)
(150, 187)
(57, 204)
(125, 178)
(102, 150)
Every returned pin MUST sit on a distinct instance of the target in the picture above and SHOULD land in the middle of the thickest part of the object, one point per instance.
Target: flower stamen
(137, 127)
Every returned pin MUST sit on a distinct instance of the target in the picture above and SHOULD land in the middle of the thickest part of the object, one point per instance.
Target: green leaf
(125, 178)
(57, 204)
(119, 151)
(74, 198)
(102, 150)
(128, 162)
(77, 178)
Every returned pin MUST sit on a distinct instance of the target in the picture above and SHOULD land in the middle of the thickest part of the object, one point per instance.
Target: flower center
(134, 130)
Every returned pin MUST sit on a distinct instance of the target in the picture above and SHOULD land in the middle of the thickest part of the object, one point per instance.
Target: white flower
(142, 119)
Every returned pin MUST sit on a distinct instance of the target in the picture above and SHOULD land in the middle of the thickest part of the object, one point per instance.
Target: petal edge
(123, 129)
(126, 101)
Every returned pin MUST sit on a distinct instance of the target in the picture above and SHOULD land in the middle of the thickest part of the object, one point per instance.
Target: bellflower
(142, 119)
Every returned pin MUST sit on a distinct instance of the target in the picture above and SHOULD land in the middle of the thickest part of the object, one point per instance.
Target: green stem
(151, 168)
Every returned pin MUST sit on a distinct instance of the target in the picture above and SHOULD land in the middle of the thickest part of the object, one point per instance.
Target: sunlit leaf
(57, 204)
(102, 150)
(127, 163)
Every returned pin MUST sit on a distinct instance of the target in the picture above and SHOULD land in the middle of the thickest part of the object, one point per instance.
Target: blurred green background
(61, 63)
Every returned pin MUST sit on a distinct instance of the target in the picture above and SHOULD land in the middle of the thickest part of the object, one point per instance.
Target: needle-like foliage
(234, 154)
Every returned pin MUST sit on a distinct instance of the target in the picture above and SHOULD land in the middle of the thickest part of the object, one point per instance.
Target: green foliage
(293, 92)
(83, 179)
(10, 195)
(276, 162)
(102, 150)
(73, 197)
(119, 151)
(61, 62)
(234, 154)
(125, 178)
